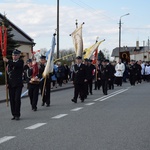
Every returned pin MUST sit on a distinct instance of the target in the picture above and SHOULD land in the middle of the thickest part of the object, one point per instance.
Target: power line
(89, 8)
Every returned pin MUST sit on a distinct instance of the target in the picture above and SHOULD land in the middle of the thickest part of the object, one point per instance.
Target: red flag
(4, 50)
(95, 56)
(1, 38)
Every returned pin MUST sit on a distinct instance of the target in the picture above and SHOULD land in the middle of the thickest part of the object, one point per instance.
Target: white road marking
(36, 126)
(77, 109)
(107, 95)
(113, 95)
(88, 104)
(6, 138)
(59, 116)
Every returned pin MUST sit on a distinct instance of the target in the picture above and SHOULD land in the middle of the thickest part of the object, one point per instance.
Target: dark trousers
(79, 90)
(90, 84)
(97, 85)
(111, 83)
(33, 94)
(47, 91)
(85, 89)
(60, 81)
(132, 79)
(104, 86)
(15, 100)
(118, 81)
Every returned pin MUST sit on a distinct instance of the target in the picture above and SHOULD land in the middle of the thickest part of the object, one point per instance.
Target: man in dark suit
(86, 93)
(90, 75)
(46, 96)
(15, 83)
(79, 78)
(104, 76)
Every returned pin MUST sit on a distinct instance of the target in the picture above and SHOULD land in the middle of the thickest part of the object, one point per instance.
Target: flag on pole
(89, 51)
(0, 37)
(3, 40)
(95, 56)
(78, 41)
(4, 50)
(49, 56)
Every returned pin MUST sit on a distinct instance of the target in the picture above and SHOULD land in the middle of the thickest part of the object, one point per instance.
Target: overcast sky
(38, 18)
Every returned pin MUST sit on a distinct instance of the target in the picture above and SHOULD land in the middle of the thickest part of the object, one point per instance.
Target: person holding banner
(46, 94)
(15, 83)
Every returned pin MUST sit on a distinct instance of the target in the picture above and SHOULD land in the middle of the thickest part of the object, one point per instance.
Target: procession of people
(82, 73)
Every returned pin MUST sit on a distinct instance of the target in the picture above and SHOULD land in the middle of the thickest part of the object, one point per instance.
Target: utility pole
(120, 33)
(57, 29)
(148, 49)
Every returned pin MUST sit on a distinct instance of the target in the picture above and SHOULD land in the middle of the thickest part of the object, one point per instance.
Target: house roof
(19, 35)
(115, 52)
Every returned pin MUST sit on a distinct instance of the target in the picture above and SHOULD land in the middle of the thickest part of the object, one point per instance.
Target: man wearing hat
(46, 96)
(79, 78)
(15, 83)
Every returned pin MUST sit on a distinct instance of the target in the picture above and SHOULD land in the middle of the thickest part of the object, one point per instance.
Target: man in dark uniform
(132, 72)
(104, 76)
(46, 96)
(15, 83)
(138, 71)
(86, 83)
(90, 76)
(111, 73)
(79, 78)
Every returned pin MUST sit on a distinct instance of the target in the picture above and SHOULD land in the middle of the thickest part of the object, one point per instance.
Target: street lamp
(57, 29)
(120, 32)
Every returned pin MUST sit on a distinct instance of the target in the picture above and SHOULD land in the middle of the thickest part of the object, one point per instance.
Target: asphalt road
(118, 121)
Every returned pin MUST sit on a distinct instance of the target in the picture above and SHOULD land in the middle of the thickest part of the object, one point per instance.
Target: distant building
(25, 41)
(142, 53)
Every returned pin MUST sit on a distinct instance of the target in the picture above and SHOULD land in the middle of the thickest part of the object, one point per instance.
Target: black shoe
(91, 93)
(73, 100)
(43, 104)
(13, 118)
(82, 100)
(48, 105)
(35, 109)
(17, 118)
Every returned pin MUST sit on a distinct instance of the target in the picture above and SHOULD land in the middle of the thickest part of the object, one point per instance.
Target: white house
(25, 41)
(142, 53)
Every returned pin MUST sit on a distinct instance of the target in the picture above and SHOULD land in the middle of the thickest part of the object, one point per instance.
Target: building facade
(132, 53)
(25, 41)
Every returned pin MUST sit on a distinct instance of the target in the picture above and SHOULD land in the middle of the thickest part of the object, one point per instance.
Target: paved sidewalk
(3, 90)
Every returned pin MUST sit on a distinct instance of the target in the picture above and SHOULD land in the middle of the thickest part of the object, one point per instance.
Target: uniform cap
(29, 61)
(89, 60)
(86, 59)
(16, 52)
(106, 60)
(78, 57)
(43, 57)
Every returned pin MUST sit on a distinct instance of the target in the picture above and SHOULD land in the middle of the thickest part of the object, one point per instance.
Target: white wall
(26, 51)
